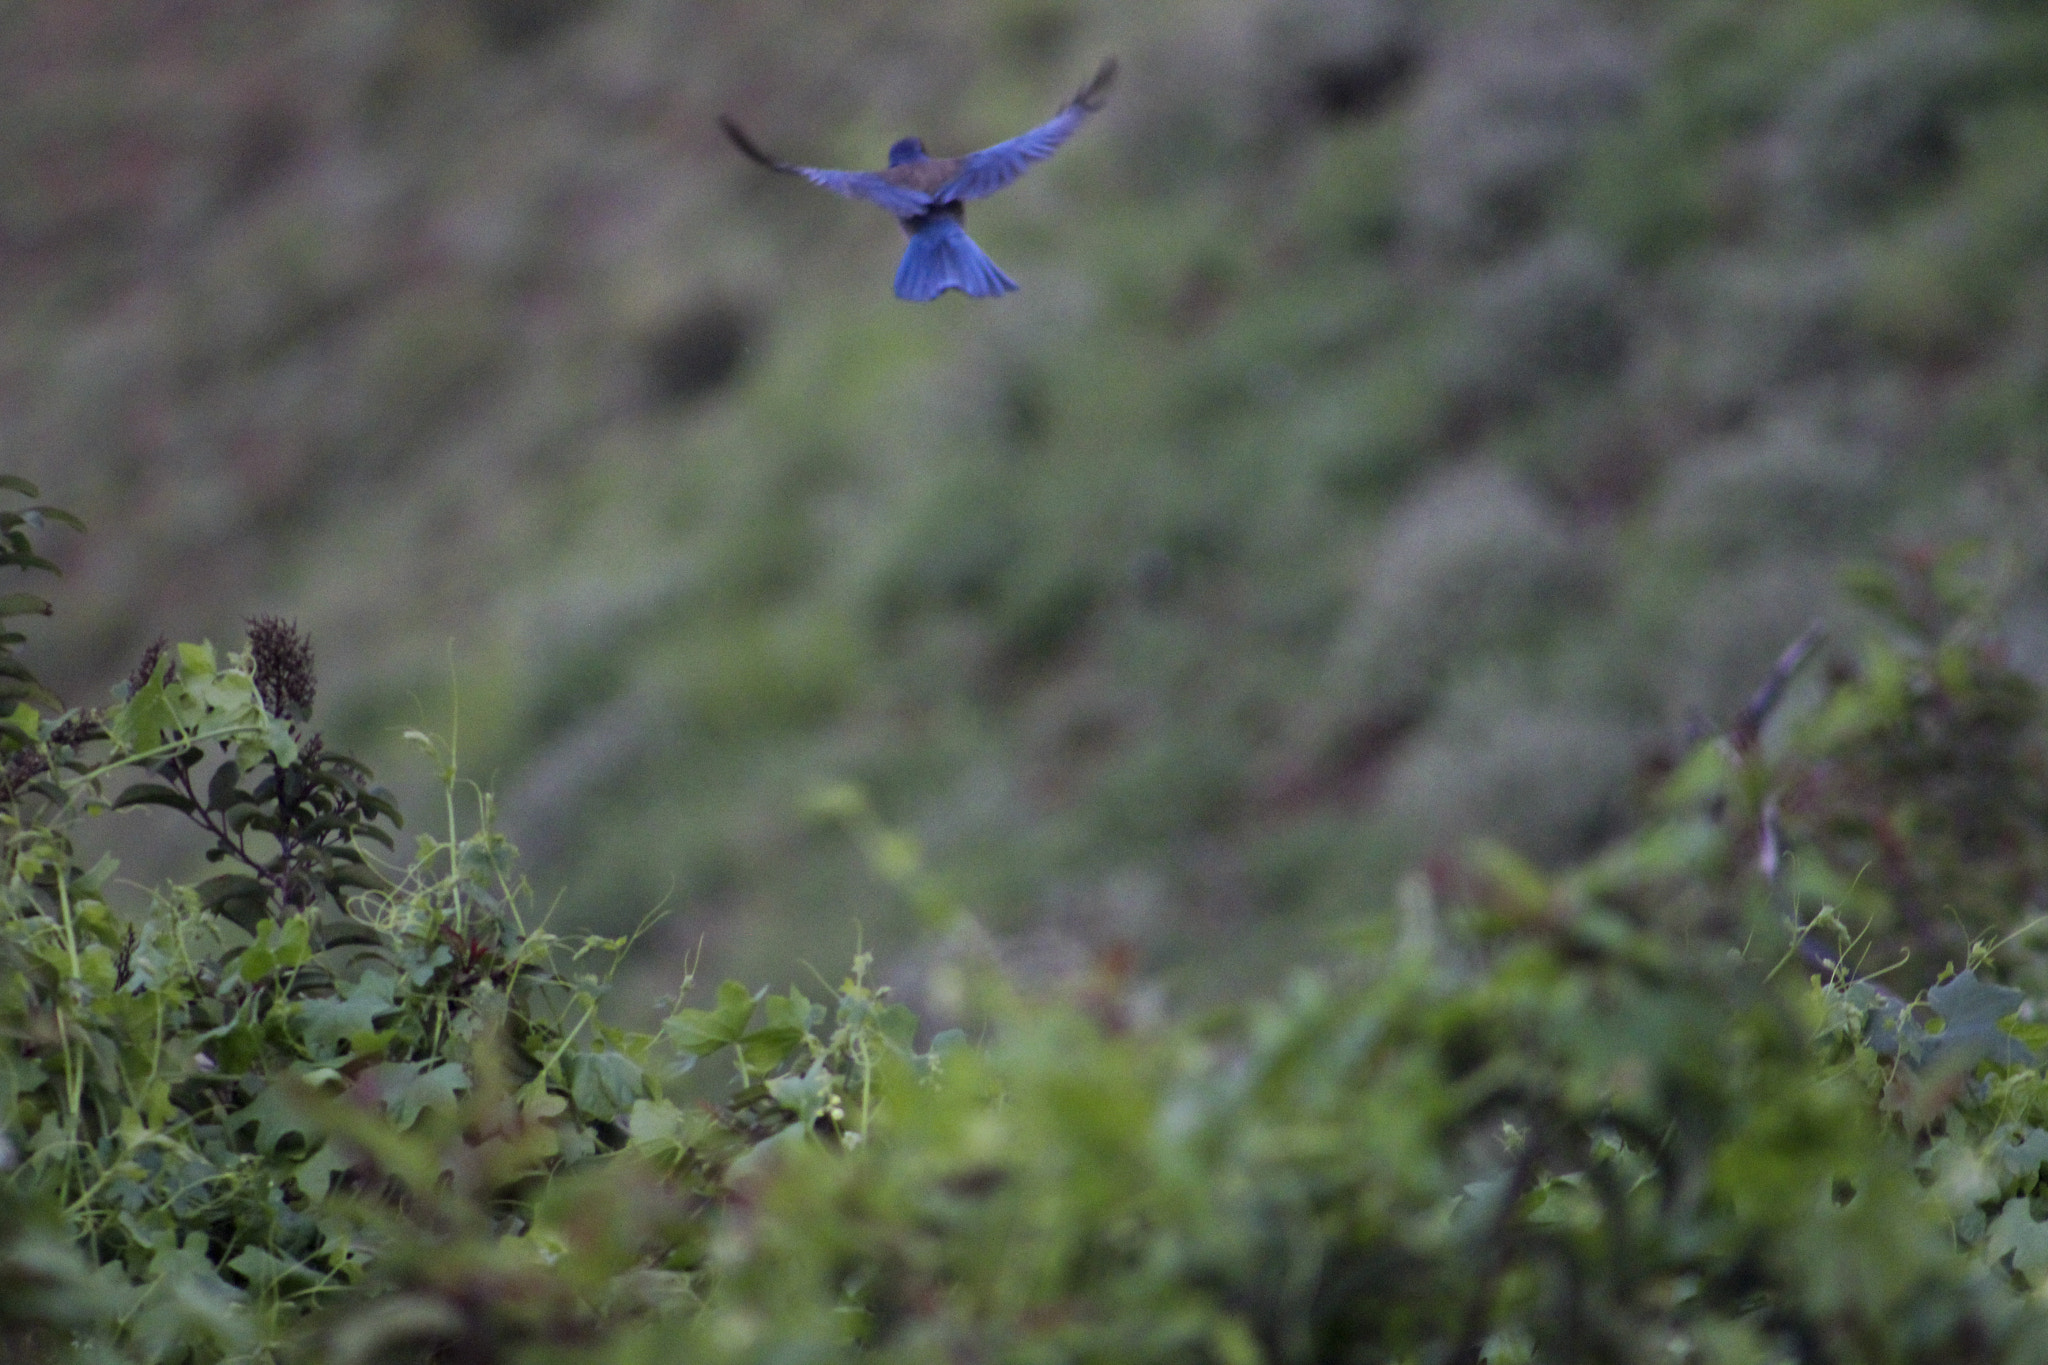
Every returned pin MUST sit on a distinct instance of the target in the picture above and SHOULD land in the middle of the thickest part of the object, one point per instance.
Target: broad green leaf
(898, 1024)
(2027, 1154)
(793, 1011)
(351, 1013)
(139, 724)
(654, 1122)
(277, 1115)
(1971, 1009)
(2015, 1231)
(604, 1085)
(767, 1047)
(409, 1089)
(315, 1175)
(706, 1031)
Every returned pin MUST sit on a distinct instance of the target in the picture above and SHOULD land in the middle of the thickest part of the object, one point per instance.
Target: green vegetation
(1410, 407)
(1366, 541)
(1713, 1094)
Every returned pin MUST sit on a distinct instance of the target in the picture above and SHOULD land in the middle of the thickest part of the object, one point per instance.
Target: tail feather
(942, 256)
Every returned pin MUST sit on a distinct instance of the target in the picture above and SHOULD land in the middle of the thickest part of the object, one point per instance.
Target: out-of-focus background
(1415, 416)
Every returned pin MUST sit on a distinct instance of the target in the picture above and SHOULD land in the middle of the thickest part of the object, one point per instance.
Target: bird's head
(907, 150)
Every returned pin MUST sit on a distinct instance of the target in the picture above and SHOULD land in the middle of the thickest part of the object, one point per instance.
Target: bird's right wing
(900, 200)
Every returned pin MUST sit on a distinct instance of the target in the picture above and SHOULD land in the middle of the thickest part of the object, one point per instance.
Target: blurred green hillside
(1414, 418)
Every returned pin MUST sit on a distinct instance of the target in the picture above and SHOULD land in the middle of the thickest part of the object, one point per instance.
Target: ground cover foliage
(1761, 1080)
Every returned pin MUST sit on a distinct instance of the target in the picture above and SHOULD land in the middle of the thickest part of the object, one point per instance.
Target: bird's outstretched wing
(984, 172)
(900, 200)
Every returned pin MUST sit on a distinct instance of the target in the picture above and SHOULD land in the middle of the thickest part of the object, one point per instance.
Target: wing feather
(901, 200)
(984, 172)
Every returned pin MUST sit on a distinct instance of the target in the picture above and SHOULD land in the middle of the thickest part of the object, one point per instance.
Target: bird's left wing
(984, 172)
(900, 200)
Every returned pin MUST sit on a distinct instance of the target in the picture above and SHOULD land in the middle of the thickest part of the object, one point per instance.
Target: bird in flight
(929, 195)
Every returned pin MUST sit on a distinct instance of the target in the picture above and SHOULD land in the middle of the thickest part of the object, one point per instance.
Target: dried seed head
(283, 663)
(145, 667)
(82, 728)
(23, 766)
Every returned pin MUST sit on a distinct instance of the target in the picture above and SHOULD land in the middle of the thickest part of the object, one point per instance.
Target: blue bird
(929, 195)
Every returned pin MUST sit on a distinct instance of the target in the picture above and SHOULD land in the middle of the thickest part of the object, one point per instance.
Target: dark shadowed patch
(696, 353)
(1363, 86)
(517, 25)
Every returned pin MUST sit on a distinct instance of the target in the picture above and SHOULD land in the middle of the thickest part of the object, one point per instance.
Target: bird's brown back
(926, 176)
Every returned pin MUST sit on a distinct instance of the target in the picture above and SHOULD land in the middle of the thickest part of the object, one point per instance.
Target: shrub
(331, 1104)
(245, 1092)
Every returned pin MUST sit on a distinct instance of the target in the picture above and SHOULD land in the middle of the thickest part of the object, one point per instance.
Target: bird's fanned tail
(942, 256)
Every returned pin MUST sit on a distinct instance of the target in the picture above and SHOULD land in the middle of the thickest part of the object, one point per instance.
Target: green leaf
(658, 1122)
(2026, 1155)
(706, 1031)
(409, 1089)
(277, 1116)
(56, 514)
(196, 662)
(139, 724)
(351, 1013)
(792, 1011)
(265, 1271)
(807, 1095)
(315, 1175)
(766, 1047)
(283, 746)
(898, 1024)
(2015, 1231)
(220, 791)
(153, 794)
(235, 895)
(1971, 1009)
(605, 1085)
(23, 604)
